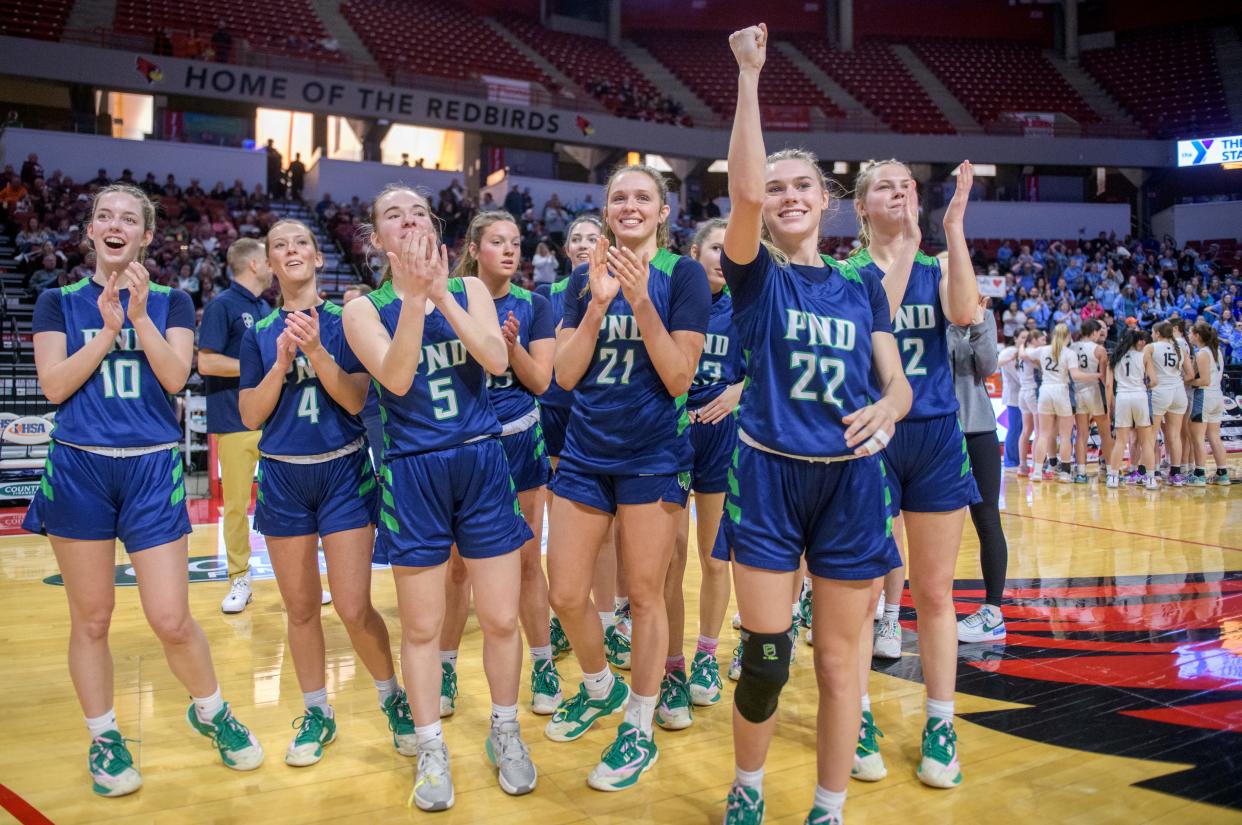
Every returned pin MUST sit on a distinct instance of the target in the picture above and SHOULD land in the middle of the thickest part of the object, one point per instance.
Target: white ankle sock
(598, 685)
(940, 710)
(449, 656)
(830, 801)
(640, 711)
(891, 611)
(429, 736)
(503, 713)
(866, 702)
(99, 725)
(317, 699)
(750, 779)
(208, 706)
(386, 688)
(542, 652)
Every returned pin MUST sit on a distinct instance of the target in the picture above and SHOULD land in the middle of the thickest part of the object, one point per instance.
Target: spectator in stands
(33, 235)
(47, 276)
(31, 169)
(1127, 304)
(545, 265)
(222, 43)
(325, 203)
(1225, 324)
(555, 220)
(1065, 314)
(297, 176)
(275, 163)
(513, 202)
(86, 269)
(1091, 310)
(488, 204)
(151, 186)
(171, 189)
(1012, 319)
(14, 192)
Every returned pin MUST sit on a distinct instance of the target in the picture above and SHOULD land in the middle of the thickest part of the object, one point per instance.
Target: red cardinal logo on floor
(151, 71)
(585, 126)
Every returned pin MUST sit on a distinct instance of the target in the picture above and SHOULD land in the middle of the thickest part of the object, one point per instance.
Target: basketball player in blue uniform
(629, 346)
(110, 350)
(824, 391)
(302, 385)
(493, 250)
(713, 434)
(429, 342)
(930, 471)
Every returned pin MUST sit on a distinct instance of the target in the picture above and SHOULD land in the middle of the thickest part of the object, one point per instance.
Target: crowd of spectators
(625, 100)
(221, 46)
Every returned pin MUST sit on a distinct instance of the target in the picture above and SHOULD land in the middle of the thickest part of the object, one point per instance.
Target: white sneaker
(1113, 482)
(887, 643)
(326, 598)
(1151, 483)
(984, 625)
(879, 607)
(239, 595)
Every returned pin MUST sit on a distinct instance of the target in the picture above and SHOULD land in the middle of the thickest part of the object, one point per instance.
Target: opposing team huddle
(807, 402)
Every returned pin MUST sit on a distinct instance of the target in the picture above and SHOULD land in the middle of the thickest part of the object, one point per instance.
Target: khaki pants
(239, 455)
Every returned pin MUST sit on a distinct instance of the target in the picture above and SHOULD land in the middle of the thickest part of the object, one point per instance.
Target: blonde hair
(705, 229)
(145, 205)
(834, 194)
(591, 219)
(1060, 338)
(367, 229)
(662, 232)
(241, 250)
(468, 263)
(862, 185)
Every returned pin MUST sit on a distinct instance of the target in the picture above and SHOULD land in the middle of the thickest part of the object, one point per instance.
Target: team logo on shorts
(1144, 667)
(683, 480)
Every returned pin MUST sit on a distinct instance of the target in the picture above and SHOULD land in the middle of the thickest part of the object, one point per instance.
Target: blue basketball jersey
(306, 421)
(624, 421)
(921, 331)
(447, 404)
(510, 399)
(805, 334)
(555, 293)
(721, 362)
(122, 404)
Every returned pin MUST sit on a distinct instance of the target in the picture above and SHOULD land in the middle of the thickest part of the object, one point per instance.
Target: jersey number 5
(442, 390)
(120, 378)
(833, 370)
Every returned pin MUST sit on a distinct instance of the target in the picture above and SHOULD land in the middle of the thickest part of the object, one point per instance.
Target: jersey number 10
(120, 378)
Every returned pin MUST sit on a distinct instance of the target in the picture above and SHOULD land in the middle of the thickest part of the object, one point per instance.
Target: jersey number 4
(120, 378)
(831, 369)
(308, 405)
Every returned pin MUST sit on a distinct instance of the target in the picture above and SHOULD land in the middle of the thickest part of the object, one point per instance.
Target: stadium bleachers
(290, 27)
(38, 19)
(881, 82)
(1168, 80)
(413, 36)
(710, 72)
(991, 78)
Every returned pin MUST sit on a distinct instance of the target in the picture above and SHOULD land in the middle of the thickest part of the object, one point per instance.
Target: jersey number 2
(914, 366)
(833, 369)
(610, 353)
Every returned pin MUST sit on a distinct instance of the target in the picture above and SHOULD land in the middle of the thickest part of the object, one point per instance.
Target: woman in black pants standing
(972, 351)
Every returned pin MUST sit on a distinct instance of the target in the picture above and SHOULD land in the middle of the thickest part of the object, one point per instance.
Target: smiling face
(118, 228)
(399, 214)
(582, 238)
(708, 254)
(794, 201)
(882, 201)
(292, 253)
(498, 250)
(634, 209)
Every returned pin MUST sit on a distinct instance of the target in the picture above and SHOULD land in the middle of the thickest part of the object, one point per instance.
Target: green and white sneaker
(868, 763)
(939, 767)
(112, 766)
(401, 723)
(559, 641)
(1221, 479)
(793, 641)
(238, 748)
(433, 781)
(575, 716)
(673, 712)
(735, 663)
(545, 687)
(629, 756)
(744, 806)
(805, 605)
(818, 816)
(617, 645)
(448, 689)
(705, 684)
(985, 625)
(316, 730)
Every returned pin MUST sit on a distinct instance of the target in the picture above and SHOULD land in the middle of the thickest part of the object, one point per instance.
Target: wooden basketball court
(1118, 697)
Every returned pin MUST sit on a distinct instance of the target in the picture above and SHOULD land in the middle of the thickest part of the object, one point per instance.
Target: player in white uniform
(1059, 363)
(1207, 406)
(1168, 396)
(1179, 337)
(1127, 397)
(1028, 396)
(1089, 399)
(1011, 379)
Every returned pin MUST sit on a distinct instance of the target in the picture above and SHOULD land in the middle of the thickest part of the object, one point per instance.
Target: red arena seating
(1168, 80)
(990, 78)
(289, 27)
(881, 82)
(711, 72)
(38, 19)
(430, 38)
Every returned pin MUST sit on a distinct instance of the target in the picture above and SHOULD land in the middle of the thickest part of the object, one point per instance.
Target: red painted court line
(21, 810)
(1115, 530)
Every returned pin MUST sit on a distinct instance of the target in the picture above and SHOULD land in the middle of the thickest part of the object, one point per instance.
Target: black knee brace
(765, 670)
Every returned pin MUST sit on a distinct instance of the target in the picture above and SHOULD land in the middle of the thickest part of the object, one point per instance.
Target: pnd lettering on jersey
(820, 330)
(305, 370)
(126, 339)
(444, 355)
(715, 344)
(914, 316)
(622, 327)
